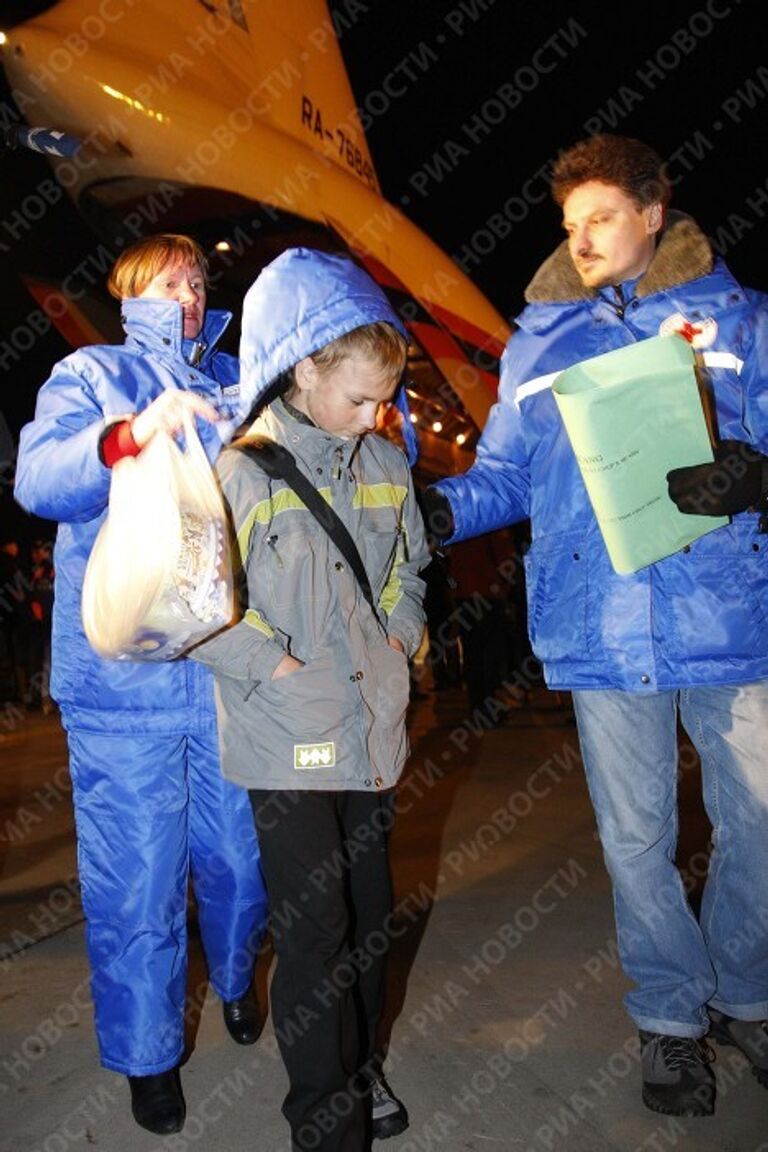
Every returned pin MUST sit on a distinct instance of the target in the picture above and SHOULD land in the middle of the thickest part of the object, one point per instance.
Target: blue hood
(299, 303)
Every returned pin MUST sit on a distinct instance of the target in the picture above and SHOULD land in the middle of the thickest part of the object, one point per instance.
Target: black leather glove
(737, 479)
(438, 517)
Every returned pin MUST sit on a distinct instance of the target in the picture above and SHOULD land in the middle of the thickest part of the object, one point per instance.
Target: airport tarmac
(507, 1025)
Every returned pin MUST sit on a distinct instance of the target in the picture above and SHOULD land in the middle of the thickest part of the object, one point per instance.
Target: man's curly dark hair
(618, 160)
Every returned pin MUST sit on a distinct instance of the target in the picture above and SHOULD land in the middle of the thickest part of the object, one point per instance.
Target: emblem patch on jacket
(700, 335)
(314, 755)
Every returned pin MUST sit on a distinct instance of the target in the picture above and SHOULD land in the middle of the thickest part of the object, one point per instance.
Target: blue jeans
(680, 965)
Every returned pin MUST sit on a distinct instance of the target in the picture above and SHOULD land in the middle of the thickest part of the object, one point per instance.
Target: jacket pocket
(287, 561)
(388, 706)
(306, 721)
(718, 599)
(556, 585)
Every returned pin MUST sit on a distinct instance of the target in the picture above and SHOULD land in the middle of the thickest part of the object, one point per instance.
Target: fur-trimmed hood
(683, 253)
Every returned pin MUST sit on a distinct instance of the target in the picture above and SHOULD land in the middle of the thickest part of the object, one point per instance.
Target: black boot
(243, 1019)
(677, 1078)
(157, 1103)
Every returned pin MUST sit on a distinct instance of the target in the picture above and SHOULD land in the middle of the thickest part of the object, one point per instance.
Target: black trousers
(324, 856)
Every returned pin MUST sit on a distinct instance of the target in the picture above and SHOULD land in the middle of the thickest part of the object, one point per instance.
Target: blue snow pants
(151, 809)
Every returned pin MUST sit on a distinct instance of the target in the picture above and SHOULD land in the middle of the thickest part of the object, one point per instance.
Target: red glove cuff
(117, 441)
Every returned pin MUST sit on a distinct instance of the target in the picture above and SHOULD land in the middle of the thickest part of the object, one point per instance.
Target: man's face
(344, 401)
(185, 284)
(610, 239)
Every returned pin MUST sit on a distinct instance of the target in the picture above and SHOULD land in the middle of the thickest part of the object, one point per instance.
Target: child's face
(345, 400)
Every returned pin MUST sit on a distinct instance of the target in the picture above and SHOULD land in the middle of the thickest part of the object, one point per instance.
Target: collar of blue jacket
(158, 326)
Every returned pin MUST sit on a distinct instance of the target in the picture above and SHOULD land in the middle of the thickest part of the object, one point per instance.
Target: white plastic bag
(159, 577)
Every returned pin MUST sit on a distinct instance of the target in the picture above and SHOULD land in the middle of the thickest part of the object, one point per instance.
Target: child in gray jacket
(312, 683)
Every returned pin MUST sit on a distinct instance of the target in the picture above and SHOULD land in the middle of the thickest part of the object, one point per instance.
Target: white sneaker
(389, 1117)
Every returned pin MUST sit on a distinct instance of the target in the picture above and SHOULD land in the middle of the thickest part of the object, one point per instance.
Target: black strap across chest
(279, 464)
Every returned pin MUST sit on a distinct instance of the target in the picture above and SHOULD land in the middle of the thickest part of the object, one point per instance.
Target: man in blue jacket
(684, 637)
(151, 805)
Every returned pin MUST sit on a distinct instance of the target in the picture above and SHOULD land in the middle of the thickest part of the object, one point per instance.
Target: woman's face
(185, 284)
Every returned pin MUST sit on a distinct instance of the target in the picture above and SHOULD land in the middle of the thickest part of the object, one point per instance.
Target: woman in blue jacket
(151, 805)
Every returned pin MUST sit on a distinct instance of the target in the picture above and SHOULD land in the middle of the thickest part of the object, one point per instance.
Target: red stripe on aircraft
(67, 318)
(444, 317)
(466, 330)
(441, 346)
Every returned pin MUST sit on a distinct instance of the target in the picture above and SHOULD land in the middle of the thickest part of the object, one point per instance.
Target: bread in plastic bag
(159, 577)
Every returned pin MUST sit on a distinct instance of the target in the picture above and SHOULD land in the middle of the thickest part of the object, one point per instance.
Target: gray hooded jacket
(338, 722)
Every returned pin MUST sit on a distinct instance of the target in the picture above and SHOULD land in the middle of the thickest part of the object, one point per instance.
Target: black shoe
(243, 1019)
(677, 1078)
(157, 1103)
(751, 1036)
(389, 1117)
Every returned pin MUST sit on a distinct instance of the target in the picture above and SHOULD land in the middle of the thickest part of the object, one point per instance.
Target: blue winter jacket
(60, 477)
(697, 617)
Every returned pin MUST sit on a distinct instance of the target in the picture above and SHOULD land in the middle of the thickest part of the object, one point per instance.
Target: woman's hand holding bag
(159, 577)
